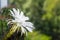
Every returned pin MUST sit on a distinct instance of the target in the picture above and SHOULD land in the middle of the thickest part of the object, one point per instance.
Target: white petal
(15, 11)
(29, 29)
(23, 31)
(28, 24)
(21, 14)
(8, 22)
(18, 11)
(26, 18)
(14, 21)
(12, 13)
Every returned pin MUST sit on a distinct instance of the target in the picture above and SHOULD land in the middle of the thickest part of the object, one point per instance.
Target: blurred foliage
(37, 36)
(45, 14)
(48, 7)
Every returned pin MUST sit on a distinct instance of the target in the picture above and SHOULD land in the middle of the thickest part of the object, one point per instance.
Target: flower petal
(29, 29)
(21, 14)
(23, 31)
(12, 13)
(28, 24)
(15, 11)
(18, 11)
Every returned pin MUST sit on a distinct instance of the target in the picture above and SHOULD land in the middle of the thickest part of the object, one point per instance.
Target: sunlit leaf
(49, 4)
(48, 7)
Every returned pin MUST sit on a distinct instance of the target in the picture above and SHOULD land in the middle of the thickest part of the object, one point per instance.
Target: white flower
(21, 20)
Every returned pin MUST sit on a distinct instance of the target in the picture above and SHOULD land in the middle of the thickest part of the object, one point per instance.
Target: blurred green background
(44, 14)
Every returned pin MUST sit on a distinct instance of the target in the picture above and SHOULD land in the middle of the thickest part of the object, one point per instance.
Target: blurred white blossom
(21, 20)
